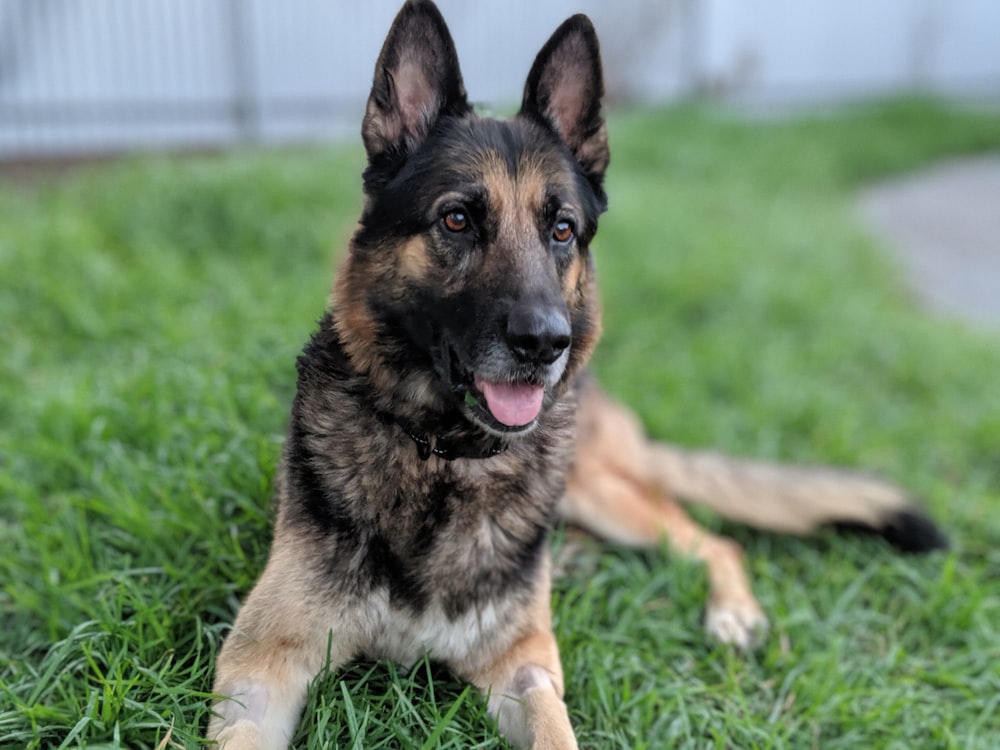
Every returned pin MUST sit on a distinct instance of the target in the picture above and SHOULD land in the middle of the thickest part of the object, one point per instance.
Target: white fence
(79, 76)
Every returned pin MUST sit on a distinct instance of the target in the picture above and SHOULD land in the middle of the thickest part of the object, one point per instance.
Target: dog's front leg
(525, 689)
(524, 686)
(281, 639)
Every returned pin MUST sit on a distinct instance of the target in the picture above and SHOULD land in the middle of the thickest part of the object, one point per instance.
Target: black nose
(538, 333)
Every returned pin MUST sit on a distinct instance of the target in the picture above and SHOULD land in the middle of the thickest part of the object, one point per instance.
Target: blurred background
(79, 79)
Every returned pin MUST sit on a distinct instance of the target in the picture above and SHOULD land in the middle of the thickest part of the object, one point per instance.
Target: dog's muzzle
(537, 337)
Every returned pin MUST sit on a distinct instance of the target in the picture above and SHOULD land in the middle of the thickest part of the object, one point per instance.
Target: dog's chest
(459, 582)
(405, 636)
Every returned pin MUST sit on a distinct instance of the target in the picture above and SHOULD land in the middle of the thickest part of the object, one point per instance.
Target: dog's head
(469, 285)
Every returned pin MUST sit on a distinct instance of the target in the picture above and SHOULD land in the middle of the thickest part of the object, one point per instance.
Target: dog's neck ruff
(429, 444)
(449, 440)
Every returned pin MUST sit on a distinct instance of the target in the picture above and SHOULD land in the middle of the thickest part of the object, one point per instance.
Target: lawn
(150, 315)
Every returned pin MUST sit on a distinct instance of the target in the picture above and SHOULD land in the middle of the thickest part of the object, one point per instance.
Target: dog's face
(470, 284)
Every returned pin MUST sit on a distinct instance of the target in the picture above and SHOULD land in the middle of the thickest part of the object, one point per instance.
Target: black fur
(462, 319)
(394, 362)
(401, 197)
(907, 530)
(385, 516)
(401, 109)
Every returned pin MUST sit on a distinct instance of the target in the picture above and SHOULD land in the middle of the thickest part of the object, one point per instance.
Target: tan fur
(413, 259)
(525, 685)
(390, 544)
(286, 633)
(616, 492)
(784, 499)
(624, 488)
(356, 326)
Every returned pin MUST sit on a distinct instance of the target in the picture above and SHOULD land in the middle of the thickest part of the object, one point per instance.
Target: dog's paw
(743, 625)
(243, 735)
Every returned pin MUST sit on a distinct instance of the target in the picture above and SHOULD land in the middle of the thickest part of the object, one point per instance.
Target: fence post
(246, 93)
(692, 47)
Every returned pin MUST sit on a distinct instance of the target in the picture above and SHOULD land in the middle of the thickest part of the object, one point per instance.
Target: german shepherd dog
(444, 422)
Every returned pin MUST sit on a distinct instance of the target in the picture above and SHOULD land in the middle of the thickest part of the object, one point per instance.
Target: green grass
(150, 314)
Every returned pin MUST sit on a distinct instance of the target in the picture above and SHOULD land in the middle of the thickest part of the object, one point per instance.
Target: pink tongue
(512, 404)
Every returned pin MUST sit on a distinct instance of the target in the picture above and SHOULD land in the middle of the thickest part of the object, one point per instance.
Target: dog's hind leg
(524, 686)
(614, 508)
(277, 645)
(612, 494)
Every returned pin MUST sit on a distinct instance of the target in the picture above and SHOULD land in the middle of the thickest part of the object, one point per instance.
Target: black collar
(449, 448)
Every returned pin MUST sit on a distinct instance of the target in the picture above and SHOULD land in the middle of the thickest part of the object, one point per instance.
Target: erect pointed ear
(417, 81)
(564, 91)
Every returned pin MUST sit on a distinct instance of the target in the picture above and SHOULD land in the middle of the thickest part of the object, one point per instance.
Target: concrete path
(943, 224)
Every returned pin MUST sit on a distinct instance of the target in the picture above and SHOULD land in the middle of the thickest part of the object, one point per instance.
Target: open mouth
(505, 407)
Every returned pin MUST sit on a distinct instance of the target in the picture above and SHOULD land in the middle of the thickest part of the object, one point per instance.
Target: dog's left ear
(564, 91)
(417, 81)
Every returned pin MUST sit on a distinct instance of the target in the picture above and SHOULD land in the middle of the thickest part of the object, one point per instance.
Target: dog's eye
(563, 232)
(456, 221)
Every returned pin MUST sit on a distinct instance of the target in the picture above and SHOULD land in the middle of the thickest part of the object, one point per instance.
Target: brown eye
(456, 221)
(563, 232)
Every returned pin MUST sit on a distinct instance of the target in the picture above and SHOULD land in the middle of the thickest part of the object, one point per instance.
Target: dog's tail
(793, 499)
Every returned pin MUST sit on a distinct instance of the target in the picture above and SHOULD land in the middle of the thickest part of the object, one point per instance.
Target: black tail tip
(908, 530)
(912, 531)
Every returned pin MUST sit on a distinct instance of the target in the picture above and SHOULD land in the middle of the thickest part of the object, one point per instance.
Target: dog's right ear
(417, 81)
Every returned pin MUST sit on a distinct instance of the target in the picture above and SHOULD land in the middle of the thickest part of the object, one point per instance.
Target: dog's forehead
(514, 163)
